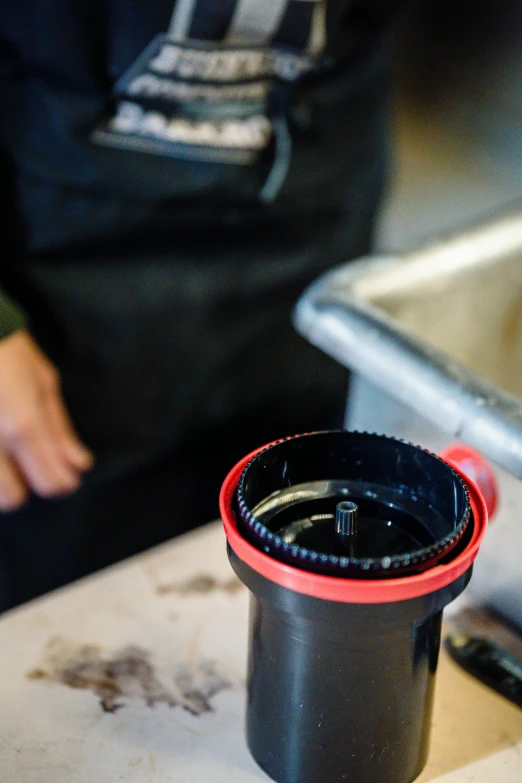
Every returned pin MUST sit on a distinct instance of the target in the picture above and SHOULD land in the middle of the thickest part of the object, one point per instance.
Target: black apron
(173, 334)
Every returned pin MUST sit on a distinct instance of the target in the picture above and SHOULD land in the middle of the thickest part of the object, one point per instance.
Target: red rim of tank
(361, 591)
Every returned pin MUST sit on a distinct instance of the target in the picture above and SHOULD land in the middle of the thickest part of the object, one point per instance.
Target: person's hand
(39, 450)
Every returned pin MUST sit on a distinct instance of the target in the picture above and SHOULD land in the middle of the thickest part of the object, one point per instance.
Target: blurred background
(457, 148)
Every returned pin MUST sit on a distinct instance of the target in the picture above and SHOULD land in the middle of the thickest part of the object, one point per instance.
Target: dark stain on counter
(128, 675)
(201, 584)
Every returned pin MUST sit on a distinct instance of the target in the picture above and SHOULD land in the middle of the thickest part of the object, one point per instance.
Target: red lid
(361, 591)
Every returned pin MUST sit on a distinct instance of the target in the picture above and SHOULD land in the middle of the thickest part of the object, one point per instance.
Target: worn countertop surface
(137, 674)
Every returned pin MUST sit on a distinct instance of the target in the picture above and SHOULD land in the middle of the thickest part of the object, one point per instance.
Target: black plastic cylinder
(340, 691)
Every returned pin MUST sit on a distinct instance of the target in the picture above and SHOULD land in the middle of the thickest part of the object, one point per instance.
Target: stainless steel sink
(438, 331)
(434, 342)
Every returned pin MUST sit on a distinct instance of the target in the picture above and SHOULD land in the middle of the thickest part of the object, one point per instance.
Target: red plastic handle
(476, 467)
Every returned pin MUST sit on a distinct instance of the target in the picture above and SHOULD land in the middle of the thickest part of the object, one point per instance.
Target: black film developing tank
(342, 691)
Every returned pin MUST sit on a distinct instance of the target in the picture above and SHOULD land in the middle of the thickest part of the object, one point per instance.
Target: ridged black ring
(358, 456)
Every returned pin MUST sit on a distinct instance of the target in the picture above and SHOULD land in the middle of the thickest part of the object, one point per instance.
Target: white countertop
(161, 641)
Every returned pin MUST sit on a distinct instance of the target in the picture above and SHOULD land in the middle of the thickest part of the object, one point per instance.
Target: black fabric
(296, 24)
(59, 62)
(171, 372)
(166, 311)
(211, 19)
